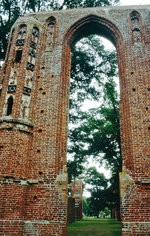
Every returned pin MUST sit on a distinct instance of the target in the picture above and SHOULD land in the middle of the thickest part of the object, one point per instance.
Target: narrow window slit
(18, 56)
(10, 105)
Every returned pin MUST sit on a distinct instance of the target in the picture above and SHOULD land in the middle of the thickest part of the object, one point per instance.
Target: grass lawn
(94, 227)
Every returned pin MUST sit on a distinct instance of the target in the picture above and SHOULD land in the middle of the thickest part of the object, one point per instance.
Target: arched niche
(50, 33)
(35, 31)
(51, 21)
(9, 105)
(134, 16)
(135, 22)
(22, 29)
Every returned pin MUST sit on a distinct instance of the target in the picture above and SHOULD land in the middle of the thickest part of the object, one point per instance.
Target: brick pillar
(71, 210)
(76, 193)
(135, 131)
(33, 168)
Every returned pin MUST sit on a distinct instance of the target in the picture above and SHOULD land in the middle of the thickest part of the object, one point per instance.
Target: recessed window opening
(18, 56)
(22, 31)
(35, 32)
(94, 107)
(51, 21)
(135, 16)
(22, 26)
(10, 105)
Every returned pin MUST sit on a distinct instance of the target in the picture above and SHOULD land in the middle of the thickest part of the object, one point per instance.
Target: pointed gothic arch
(92, 24)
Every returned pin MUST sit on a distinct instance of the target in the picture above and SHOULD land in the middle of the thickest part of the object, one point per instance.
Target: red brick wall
(76, 193)
(33, 172)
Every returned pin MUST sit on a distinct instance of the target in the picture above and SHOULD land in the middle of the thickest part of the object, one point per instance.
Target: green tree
(9, 13)
(103, 130)
(99, 132)
(100, 191)
(85, 207)
(96, 179)
(105, 212)
(92, 77)
(102, 194)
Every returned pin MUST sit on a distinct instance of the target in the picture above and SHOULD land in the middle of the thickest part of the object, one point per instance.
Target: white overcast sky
(134, 2)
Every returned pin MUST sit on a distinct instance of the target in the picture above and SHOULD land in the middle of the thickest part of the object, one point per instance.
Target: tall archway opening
(90, 29)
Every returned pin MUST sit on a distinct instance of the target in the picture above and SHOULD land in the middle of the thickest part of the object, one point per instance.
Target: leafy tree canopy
(98, 135)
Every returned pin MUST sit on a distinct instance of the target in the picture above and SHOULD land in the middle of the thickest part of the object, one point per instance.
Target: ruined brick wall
(34, 117)
(75, 202)
(77, 194)
(71, 210)
(78, 209)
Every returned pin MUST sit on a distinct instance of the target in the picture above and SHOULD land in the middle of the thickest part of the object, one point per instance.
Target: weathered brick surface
(71, 210)
(76, 193)
(75, 202)
(34, 117)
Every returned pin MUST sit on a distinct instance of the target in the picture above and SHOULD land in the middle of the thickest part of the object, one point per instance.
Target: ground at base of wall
(90, 226)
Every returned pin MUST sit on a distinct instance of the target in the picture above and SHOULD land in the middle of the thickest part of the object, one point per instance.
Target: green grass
(94, 227)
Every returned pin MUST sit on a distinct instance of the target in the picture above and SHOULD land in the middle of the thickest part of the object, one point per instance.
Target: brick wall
(71, 210)
(34, 117)
(77, 194)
